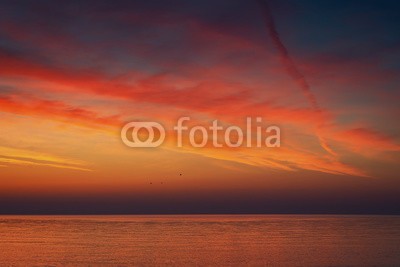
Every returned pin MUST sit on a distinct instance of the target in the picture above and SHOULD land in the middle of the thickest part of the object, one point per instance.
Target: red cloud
(367, 139)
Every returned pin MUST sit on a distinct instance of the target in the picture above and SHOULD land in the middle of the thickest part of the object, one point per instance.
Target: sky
(73, 73)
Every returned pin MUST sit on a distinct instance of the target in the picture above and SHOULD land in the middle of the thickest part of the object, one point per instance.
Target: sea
(200, 240)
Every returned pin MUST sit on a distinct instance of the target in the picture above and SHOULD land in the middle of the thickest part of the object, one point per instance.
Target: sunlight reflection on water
(200, 240)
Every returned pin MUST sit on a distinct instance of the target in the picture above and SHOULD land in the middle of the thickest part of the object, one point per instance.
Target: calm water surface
(200, 240)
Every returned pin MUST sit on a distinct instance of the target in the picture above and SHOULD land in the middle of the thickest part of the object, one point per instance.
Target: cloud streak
(13, 156)
(292, 69)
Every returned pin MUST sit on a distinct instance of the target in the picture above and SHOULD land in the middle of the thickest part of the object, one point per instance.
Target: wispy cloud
(16, 156)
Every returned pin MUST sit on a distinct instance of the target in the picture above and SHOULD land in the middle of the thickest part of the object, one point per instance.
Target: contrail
(291, 68)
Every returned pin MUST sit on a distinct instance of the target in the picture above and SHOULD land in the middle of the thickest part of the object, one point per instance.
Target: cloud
(55, 110)
(14, 156)
(363, 139)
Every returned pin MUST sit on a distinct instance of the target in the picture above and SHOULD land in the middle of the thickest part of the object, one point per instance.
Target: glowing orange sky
(68, 85)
